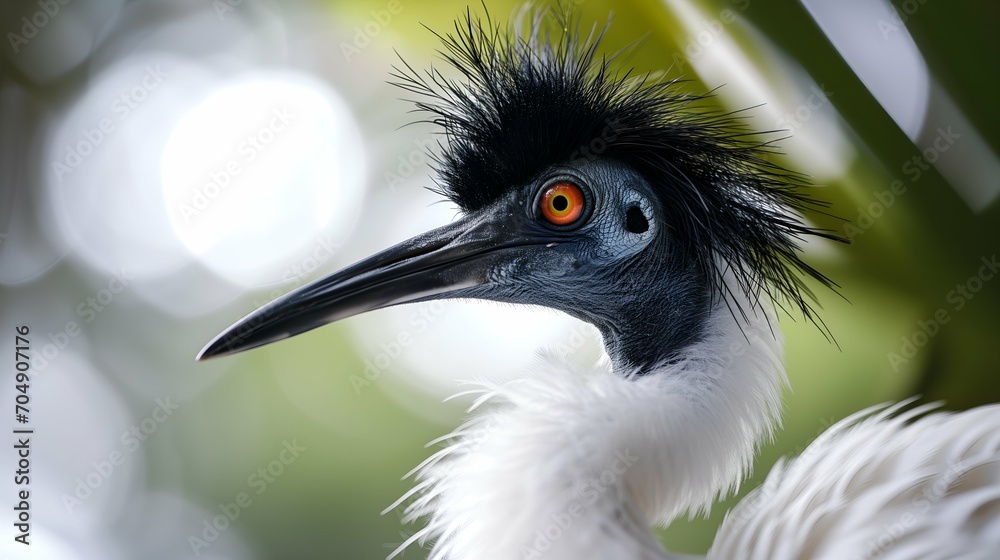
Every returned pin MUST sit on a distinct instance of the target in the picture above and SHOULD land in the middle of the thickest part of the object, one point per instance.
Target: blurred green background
(890, 108)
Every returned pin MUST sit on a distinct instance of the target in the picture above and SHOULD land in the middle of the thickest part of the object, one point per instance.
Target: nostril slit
(635, 220)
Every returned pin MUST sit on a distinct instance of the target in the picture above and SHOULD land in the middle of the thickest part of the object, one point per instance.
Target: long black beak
(434, 264)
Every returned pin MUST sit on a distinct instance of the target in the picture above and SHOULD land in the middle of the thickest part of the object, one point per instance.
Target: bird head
(616, 198)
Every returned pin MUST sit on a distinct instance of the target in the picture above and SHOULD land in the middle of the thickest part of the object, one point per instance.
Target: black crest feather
(537, 94)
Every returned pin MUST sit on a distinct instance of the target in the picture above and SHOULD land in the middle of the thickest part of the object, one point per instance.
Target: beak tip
(247, 333)
(221, 345)
(208, 352)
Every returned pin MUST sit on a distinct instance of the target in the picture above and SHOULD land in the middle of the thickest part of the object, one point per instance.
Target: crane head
(617, 199)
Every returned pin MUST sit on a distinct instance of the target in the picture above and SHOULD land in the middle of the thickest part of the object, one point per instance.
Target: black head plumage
(537, 95)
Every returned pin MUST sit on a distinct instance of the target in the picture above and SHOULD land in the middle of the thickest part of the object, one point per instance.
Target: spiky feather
(537, 95)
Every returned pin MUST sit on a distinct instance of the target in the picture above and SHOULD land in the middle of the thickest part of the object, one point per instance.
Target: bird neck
(579, 464)
(656, 322)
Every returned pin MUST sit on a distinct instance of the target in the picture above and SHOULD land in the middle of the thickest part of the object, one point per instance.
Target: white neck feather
(567, 464)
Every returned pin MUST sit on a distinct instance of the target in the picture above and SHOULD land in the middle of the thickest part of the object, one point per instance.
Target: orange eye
(562, 203)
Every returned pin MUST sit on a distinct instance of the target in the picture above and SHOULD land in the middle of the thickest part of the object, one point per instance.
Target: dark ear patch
(635, 220)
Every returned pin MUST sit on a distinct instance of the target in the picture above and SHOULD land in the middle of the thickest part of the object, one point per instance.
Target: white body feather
(879, 485)
(570, 465)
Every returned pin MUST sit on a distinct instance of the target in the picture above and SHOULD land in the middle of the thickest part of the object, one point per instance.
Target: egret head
(615, 198)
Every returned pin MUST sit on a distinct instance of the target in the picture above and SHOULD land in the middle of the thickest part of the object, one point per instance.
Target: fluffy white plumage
(577, 464)
(879, 484)
(568, 464)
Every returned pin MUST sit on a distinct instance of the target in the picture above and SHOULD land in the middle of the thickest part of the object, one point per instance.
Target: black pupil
(560, 203)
